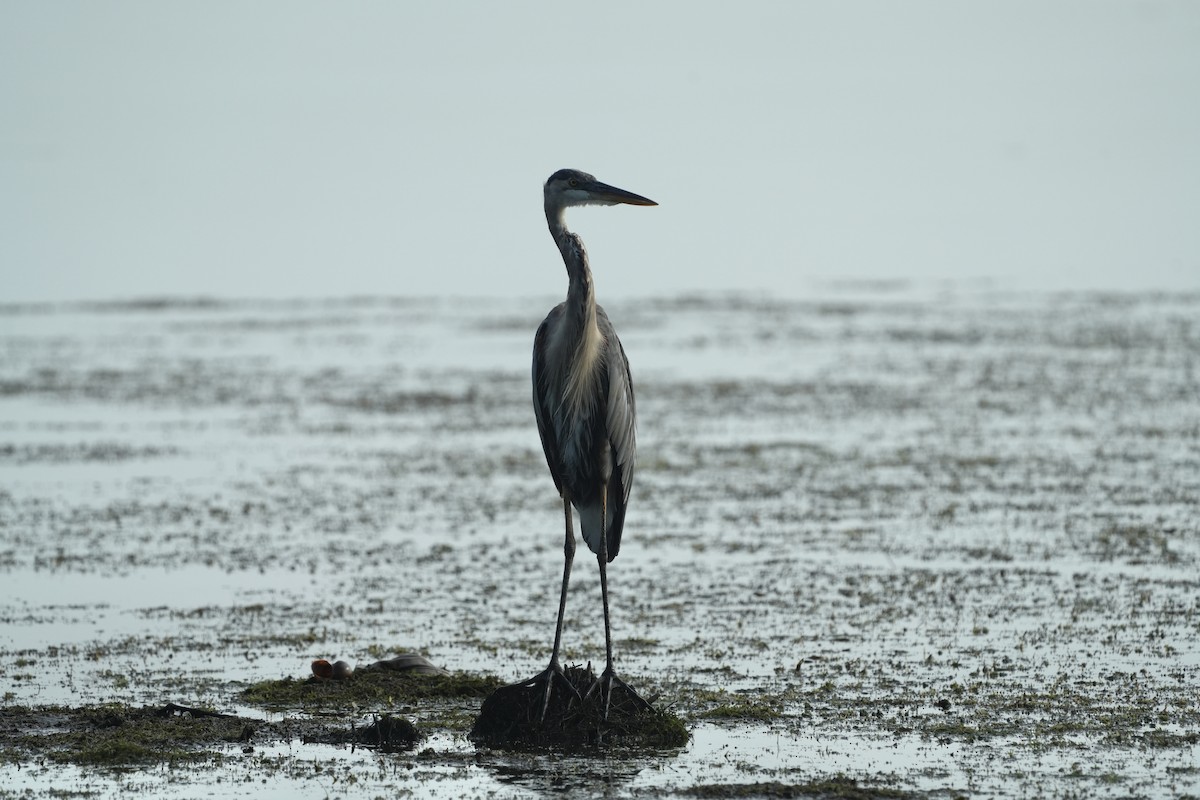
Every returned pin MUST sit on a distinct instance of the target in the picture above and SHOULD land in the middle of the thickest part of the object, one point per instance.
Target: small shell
(322, 669)
(342, 671)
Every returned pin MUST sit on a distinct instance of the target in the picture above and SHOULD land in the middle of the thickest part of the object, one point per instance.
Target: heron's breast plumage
(581, 397)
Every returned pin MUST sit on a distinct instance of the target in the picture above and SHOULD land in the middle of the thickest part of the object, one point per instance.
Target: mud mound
(512, 716)
(388, 734)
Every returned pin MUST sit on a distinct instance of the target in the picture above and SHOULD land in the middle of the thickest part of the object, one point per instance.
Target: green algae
(367, 689)
(837, 788)
(742, 708)
(114, 735)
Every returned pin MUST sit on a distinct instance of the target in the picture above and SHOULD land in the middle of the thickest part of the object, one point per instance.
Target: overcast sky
(288, 148)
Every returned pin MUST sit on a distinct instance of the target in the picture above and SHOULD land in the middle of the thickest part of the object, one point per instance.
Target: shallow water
(947, 537)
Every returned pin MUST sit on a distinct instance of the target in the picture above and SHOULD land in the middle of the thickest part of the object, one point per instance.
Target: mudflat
(887, 541)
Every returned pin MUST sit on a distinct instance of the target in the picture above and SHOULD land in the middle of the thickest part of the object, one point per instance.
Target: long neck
(581, 296)
(577, 331)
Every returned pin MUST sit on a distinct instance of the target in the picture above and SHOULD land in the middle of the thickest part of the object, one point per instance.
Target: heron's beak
(611, 195)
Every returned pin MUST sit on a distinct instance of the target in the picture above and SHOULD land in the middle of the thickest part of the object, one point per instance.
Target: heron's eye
(573, 182)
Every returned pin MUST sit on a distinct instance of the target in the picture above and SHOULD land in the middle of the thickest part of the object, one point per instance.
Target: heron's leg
(568, 557)
(554, 672)
(607, 676)
(602, 557)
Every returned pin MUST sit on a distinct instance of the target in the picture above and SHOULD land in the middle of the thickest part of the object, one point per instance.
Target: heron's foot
(552, 675)
(630, 699)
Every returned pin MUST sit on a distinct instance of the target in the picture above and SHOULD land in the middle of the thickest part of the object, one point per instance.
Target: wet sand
(933, 541)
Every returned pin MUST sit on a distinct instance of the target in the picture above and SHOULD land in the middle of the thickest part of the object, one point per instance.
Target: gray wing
(621, 424)
(541, 397)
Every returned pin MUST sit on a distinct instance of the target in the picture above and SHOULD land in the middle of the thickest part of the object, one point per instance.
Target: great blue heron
(583, 400)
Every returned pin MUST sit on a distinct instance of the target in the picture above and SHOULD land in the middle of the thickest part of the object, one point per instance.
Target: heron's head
(570, 187)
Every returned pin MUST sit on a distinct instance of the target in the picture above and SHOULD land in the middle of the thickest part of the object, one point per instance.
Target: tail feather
(589, 524)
